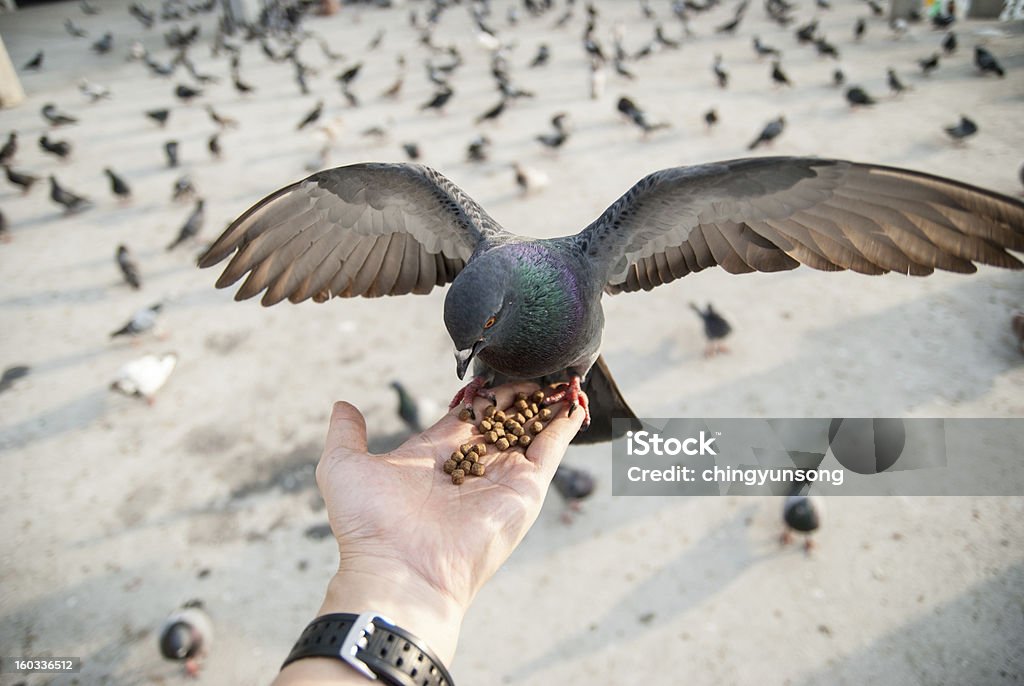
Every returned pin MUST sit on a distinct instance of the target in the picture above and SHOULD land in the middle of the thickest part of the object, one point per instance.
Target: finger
(347, 429)
(549, 446)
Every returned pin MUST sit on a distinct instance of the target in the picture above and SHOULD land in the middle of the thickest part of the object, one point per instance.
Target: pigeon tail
(606, 403)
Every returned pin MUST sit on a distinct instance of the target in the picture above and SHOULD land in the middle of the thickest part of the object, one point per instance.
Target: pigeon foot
(572, 392)
(476, 387)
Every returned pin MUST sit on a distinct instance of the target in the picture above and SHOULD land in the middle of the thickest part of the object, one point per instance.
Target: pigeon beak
(464, 357)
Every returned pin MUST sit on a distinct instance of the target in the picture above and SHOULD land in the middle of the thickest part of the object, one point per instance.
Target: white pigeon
(144, 376)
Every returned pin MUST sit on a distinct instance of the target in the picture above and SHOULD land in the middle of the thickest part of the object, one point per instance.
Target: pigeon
(87, 8)
(986, 62)
(838, 78)
(74, 30)
(710, 118)
(142, 378)
(220, 120)
(439, 100)
(192, 226)
(55, 117)
(929, 65)
(895, 85)
(118, 186)
(963, 129)
(104, 44)
(636, 115)
(183, 188)
(241, 86)
(575, 486)
(805, 34)
(859, 29)
(20, 179)
(36, 63)
(661, 39)
(801, 513)
(716, 330)
(10, 148)
(763, 50)
(720, 73)
(94, 91)
(142, 321)
(187, 93)
(493, 113)
(171, 151)
(312, 116)
(159, 116)
(876, 9)
(5, 229)
(1017, 325)
(529, 179)
(949, 43)
(542, 57)
(71, 202)
(557, 138)
(779, 76)
(478, 149)
(769, 133)
(826, 49)
(145, 17)
(521, 308)
(61, 149)
(129, 267)
(408, 408)
(12, 374)
(858, 97)
(213, 144)
(412, 150)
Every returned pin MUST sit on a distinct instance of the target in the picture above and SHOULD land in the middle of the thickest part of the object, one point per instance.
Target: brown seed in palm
(512, 440)
(528, 413)
(534, 408)
(458, 476)
(544, 414)
(457, 456)
(486, 425)
(522, 404)
(489, 411)
(465, 465)
(465, 414)
(481, 449)
(491, 436)
(518, 431)
(510, 424)
(465, 448)
(537, 397)
(500, 430)
(520, 417)
(477, 469)
(536, 427)
(501, 444)
(525, 440)
(449, 466)
(499, 415)
(520, 396)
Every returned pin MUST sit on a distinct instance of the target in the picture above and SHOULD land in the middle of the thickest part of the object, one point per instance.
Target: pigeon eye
(489, 323)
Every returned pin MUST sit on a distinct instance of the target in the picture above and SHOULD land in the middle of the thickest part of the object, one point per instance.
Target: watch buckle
(357, 638)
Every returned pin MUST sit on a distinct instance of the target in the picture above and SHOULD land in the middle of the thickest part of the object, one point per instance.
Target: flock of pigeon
(280, 34)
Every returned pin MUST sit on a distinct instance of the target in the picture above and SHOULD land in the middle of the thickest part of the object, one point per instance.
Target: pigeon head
(801, 515)
(177, 642)
(480, 306)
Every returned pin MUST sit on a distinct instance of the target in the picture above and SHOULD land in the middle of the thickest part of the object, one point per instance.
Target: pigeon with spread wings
(524, 308)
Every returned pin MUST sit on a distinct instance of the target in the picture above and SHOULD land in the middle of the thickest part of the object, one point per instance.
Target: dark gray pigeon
(858, 97)
(36, 63)
(193, 225)
(408, 410)
(55, 117)
(575, 486)
(10, 148)
(142, 321)
(71, 202)
(61, 149)
(802, 514)
(523, 308)
(716, 330)
(965, 128)
(12, 374)
(118, 186)
(769, 133)
(20, 179)
(186, 635)
(129, 267)
(987, 63)
(171, 152)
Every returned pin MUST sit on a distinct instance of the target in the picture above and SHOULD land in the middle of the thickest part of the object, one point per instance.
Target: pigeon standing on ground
(183, 188)
(118, 186)
(557, 138)
(769, 133)
(61, 149)
(801, 513)
(312, 116)
(716, 330)
(949, 43)
(858, 97)
(71, 202)
(22, 180)
(94, 91)
(159, 116)
(710, 119)
(12, 374)
(895, 85)
(142, 378)
(720, 73)
(187, 93)
(129, 267)
(171, 152)
(929, 65)
(412, 150)
(36, 63)
(575, 486)
(542, 56)
(965, 128)
(10, 148)
(214, 146)
(56, 118)
(141, 321)
(439, 100)
(477, 150)
(104, 44)
(636, 115)
(763, 50)
(5, 230)
(778, 76)
(521, 308)
(986, 62)
(192, 226)
(838, 78)
(859, 28)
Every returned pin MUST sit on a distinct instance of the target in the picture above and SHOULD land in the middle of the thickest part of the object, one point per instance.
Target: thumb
(348, 428)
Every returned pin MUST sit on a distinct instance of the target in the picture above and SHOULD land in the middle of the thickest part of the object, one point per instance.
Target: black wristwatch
(373, 645)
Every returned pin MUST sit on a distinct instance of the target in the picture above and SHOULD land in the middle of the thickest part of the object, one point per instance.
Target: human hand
(412, 543)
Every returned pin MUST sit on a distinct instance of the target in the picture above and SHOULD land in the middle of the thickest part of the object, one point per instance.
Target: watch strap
(373, 645)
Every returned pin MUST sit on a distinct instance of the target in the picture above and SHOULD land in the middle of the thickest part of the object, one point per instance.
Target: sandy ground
(114, 512)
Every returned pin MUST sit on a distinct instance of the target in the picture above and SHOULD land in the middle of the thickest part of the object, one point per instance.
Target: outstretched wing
(360, 230)
(775, 213)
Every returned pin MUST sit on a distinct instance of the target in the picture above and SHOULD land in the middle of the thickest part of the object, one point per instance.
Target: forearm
(408, 602)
